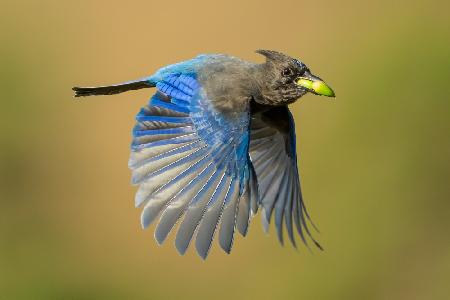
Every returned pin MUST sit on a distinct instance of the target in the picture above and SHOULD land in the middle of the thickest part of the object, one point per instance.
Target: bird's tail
(113, 89)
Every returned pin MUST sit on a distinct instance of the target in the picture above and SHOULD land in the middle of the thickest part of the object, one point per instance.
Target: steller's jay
(215, 143)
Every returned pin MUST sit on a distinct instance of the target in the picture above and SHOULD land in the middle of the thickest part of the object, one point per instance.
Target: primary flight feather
(215, 143)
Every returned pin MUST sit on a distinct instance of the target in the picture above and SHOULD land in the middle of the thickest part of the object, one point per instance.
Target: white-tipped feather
(178, 204)
(211, 217)
(194, 214)
(226, 232)
(244, 215)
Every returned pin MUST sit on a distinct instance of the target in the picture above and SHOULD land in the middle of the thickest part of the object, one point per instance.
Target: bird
(215, 144)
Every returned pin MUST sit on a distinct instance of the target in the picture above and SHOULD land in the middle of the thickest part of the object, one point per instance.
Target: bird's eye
(287, 72)
(302, 71)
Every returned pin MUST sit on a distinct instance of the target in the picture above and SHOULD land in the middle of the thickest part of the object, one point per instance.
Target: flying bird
(215, 143)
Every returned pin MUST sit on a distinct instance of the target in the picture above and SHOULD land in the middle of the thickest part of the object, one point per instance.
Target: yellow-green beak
(315, 85)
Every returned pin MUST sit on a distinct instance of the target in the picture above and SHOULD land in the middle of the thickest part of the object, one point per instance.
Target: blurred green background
(375, 161)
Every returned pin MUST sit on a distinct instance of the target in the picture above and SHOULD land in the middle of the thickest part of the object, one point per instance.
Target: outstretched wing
(190, 160)
(273, 155)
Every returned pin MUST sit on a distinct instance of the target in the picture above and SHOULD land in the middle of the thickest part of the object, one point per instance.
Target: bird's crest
(272, 55)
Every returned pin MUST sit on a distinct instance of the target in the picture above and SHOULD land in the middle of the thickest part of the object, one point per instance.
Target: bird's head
(284, 79)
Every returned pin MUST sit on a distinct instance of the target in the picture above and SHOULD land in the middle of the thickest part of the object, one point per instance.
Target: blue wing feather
(189, 160)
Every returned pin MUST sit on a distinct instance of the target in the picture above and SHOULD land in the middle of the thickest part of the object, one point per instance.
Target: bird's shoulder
(226, 81)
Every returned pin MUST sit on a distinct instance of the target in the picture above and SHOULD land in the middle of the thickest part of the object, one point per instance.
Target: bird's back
(226, 80)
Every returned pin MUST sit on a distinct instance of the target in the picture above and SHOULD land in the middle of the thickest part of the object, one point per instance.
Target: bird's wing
(190, 160)
(274, 158)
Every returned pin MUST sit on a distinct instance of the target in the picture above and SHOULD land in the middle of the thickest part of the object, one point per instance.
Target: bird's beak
(315, 85)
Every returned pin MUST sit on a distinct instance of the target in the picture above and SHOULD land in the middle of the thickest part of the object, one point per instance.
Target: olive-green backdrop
(375, 161)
